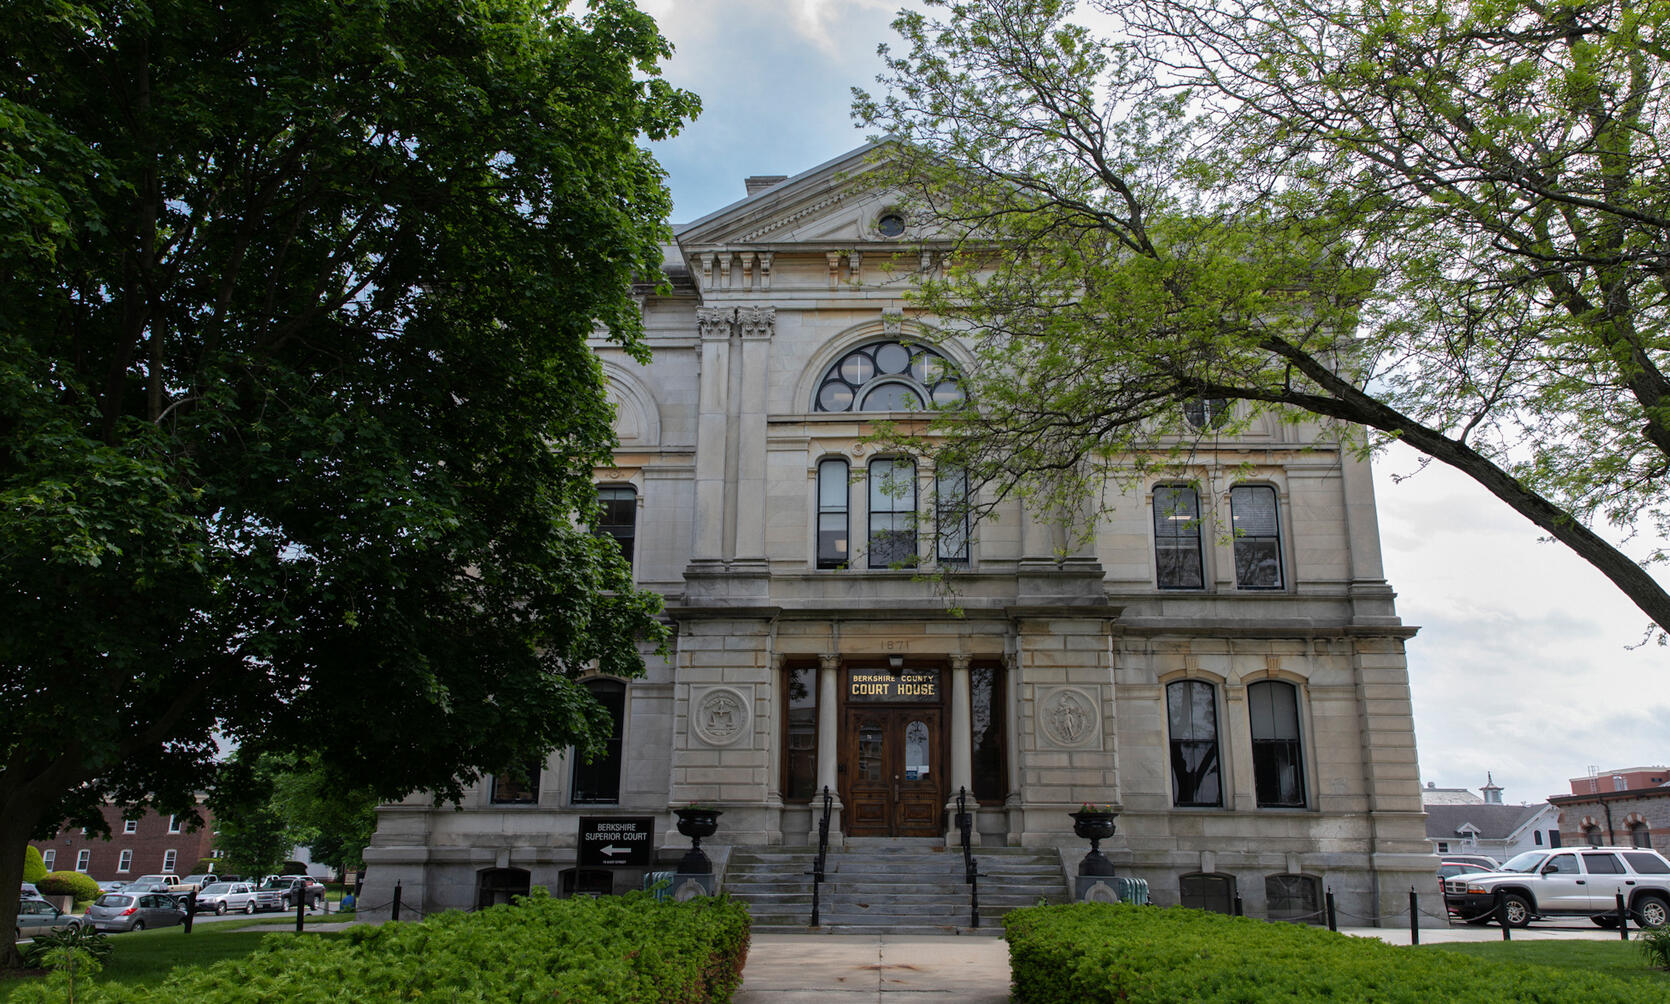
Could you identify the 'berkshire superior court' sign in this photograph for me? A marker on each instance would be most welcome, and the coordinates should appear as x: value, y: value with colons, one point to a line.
x: 880, y: 685
x: 607, y: 841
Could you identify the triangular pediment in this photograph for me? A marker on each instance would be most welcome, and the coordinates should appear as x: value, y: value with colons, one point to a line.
x: 828, y: 205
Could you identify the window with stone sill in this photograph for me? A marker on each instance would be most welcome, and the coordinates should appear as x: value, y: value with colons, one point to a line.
x: 519, y: 787
x: 619, y: 518
x: 1192, y: 719
x: 1278, y: 770
x: 82, y: 860
x: 892, y: 538
x: 1177, y: 555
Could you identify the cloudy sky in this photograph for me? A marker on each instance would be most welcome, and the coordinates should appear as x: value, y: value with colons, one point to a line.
x: 1522, y: 665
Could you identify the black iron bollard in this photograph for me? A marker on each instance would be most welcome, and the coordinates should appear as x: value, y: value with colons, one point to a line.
x: 191, y: 910
x: 1502, y: 916
x: 396, y: 914
x: 1414, y: 918
x: 1623, y: 918
x: 1239, y: 912
x: 301, y: 910
x: 1333, y: 919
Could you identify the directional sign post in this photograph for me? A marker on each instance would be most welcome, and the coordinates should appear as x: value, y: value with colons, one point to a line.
x: 616, y: 841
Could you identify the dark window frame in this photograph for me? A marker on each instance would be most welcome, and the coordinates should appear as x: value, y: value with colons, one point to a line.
x: 593, y: 783
x: 954, y: 512
x: 1251, y: 547
x: 1309, y: 908
x: 508, y: 790
x: 624, y: 533
x: 1176, y: 532
x: 1180, y: 696
x: 790, y: 791
x: 990, y: 766
x: 833, y: 557
x: 1271, y: 753
x: 1198, y: 898
x: 890, y: 546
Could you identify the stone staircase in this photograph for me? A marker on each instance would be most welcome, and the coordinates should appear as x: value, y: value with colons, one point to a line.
x: 874, y: 886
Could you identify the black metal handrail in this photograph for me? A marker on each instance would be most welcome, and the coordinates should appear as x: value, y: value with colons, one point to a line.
x: 971, y: 869
x: 823, y: 852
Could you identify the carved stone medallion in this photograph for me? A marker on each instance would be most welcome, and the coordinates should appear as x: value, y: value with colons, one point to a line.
x: 719, y: 717
x: 1068, y: 717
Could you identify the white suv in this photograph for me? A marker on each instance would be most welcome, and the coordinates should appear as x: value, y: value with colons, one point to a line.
x: 1576, y: 881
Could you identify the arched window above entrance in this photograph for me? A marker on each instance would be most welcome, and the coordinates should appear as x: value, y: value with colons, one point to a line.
x: 887, y: 376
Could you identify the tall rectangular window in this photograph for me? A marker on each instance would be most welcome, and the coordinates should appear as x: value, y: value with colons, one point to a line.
x: 83, y: 859
x: 1177, y: 538
x: 1278, y: 775
x: 173, y: 824
x: 832, y: 514
x: 598, y: 782
x: 951, y: 517
x: 800, y: 767
x: 125, y: 862
x: 168, y: 859
x: 892, y: 514
x: 991, y: 781
x: 619, y: 518
x: 49, y: 857
x: 1192, y: 716
x: 1252, y: 513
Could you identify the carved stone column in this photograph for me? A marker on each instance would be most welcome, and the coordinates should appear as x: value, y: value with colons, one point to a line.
x: 829, y: 671
x: 961, y: 727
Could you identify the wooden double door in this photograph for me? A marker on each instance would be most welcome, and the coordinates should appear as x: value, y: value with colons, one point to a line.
x: 893, y: 766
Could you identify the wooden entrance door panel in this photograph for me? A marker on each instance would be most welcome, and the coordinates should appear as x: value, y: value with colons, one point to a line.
x: 893, y: 772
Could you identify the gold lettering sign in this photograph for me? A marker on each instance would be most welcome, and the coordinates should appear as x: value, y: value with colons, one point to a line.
x: 880, y: 685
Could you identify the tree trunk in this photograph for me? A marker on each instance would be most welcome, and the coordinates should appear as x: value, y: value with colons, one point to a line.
x: 19, y: 815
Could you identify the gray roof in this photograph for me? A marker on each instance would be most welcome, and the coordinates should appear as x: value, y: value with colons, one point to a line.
x: 1494, y: 822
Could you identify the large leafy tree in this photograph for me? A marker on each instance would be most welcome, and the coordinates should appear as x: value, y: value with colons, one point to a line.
x: 1445, y: 223
x: 297, y: 413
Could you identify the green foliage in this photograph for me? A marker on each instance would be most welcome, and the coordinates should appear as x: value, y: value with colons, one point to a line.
x: 34, y: 866
x: 1100, y: 952
x: 298, y: 407
x: 68, y: 883
x: 47, y: 946
x: 625, y: 949
x: 1442, y: 223
x: 267, y: 803
x: 1655, y: 945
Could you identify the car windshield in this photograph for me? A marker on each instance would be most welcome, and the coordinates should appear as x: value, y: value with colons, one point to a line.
x: 148, y: 878
x: 217, y: 888
x: 276, y: 883
x: 1525, y: 863
x: 111, y: 899
x: 195, y: 878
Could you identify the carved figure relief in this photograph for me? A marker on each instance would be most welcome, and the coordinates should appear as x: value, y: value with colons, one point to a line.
x: 1069, y: 718
x: 720, y: 717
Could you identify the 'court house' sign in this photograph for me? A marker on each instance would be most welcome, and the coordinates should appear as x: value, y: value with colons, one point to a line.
x: 880, y: 685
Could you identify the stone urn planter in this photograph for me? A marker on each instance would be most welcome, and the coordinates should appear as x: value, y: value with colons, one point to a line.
x: 1094, y: 825
x: 696, y: 823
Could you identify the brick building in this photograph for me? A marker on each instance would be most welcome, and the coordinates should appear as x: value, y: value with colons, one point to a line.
x: 150, y: 844
x: 1629, y: 807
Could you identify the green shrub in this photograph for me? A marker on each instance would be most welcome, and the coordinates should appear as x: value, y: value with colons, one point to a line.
x: 34, y: 868
x: 612, y: 949
x: 1143, y: 955
x: 1655, y: 945
x: 69, y: 884
x: 94, y: 943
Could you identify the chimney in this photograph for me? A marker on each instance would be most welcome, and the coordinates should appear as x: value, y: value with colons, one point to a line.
x: 761, y: 182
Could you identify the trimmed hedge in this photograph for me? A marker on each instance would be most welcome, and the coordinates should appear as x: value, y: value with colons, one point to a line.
x: 1117, y: 952
x: 34, y: 866
x: 75, y: 884
x: 612, y: 949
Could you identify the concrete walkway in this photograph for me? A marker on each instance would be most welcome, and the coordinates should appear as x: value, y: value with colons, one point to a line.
x: 802, y: 968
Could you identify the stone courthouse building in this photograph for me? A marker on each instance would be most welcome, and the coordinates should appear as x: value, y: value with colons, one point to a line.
x: 1240, y: 696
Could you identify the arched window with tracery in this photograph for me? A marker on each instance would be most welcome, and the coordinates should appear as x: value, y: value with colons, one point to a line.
x: 888, y: 375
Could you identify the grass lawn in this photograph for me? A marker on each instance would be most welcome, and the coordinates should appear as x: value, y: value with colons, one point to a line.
x: 144, y: 958
x: 1621, y: 959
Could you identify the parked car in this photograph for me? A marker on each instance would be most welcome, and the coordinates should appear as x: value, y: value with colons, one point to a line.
x: 153, y: 883
x: 37, y: 916
x: 1448, y: 869
x: 1484, y: 861
x: 116, y: 886
x: 134, y: 911
x: 195, y: 883
x: 30, y: 892
x: 221, y: 897
x: 1580, y: 882
x: 293, y: 889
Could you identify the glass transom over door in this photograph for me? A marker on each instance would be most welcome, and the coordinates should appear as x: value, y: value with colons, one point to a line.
x: 894, y: 772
